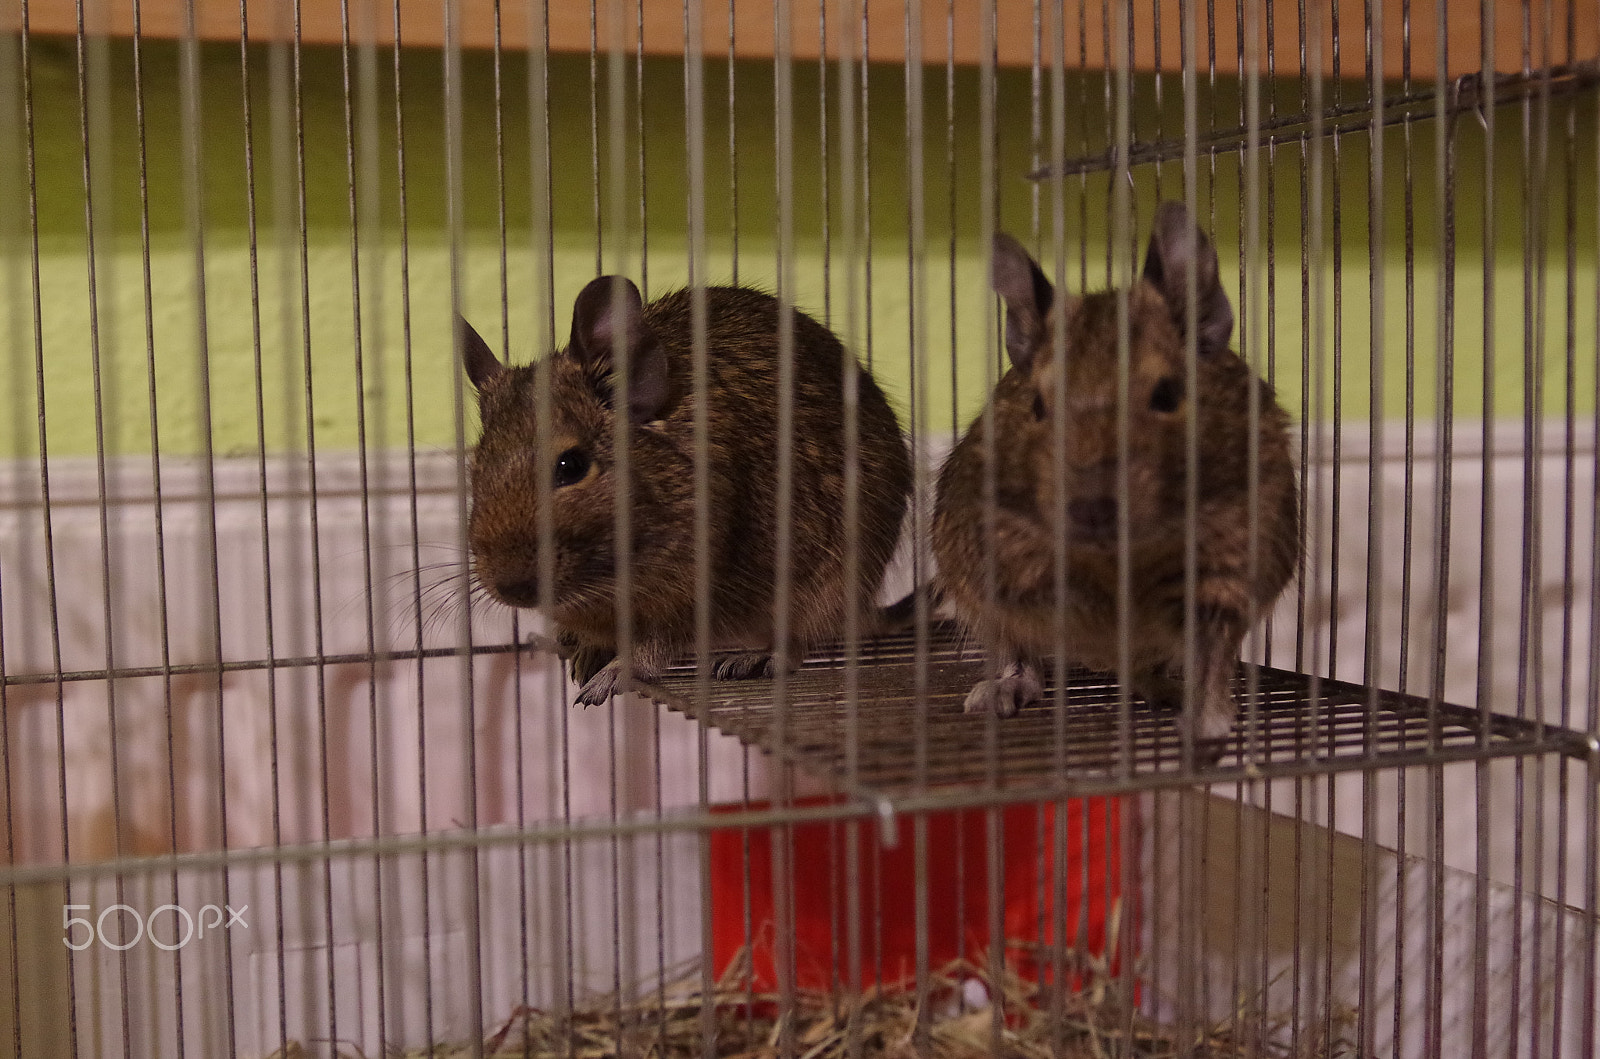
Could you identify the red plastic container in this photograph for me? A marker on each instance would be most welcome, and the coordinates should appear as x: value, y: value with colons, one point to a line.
x: 742, y: 896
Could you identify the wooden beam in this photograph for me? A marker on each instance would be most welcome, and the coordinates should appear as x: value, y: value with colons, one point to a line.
x: 421, y: 24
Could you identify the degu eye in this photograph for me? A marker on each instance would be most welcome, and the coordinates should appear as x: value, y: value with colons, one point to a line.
x: 571, y: 466
x: 1166, y: 395
x: 1038, y: 406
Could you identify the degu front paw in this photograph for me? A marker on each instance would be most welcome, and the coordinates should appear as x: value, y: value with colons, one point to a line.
x: 1017, y: 686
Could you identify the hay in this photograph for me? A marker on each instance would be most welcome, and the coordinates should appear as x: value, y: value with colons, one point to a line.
x: 668, y: 1023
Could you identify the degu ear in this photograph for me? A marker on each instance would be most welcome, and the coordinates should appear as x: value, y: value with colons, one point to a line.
x: 481, y: 364
x: 603, y: 330
x: 1028, y: 298
x: 1028, y: 295
x: 1177, y: 248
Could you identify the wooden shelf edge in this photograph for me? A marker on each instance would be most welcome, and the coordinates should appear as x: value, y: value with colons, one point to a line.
x: 1156, y: 42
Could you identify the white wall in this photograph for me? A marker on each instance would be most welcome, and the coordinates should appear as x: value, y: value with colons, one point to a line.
x: 1534, y: 689
x: 357, y: 751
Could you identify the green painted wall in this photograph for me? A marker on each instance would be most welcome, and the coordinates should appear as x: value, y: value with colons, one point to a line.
x: 289, y: 304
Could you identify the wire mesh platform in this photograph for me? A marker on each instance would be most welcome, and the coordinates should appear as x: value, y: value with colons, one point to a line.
x: 1298, y: 726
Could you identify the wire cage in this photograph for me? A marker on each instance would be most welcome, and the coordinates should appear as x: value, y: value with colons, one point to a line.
x: 284, y: 774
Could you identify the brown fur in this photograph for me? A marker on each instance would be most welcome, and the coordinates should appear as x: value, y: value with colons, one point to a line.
x: 1019, y: 622
x: 742, y: 364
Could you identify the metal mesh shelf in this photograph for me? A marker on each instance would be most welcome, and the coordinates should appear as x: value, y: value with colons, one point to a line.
x: 1299, y: 726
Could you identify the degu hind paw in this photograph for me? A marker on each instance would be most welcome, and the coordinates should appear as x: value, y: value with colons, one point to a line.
x: 743, y: 665
x: 1004, y: 696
